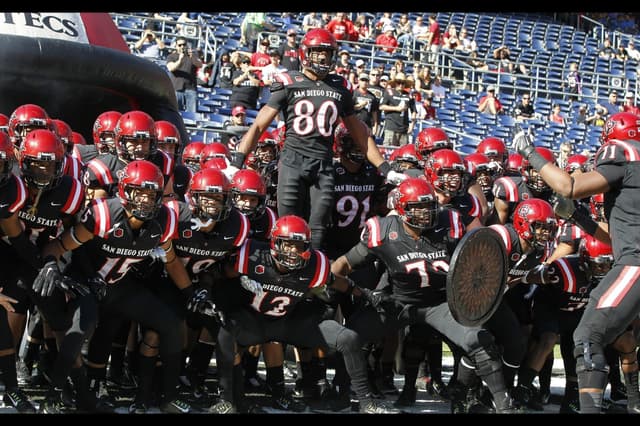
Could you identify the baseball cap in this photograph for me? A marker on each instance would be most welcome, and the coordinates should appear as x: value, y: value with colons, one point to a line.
x: 344, y: 51
x: 275, y: 52
x: 387, y: 28
x: 291, y: 31
x: 491, y: 88
x: 629, y: 95
x: 238, y: 110
x: 384, y: 78
x: 359, y: 63
x: 363, y: 76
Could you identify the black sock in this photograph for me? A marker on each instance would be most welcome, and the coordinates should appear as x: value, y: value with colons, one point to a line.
x: 275, y: 381
x: 320, y: 369
x: 387, y: 370
x: 434, y: 355
x: 238, y: 385
x: 526, y: 376
x: 8, y: 368
x: 633, y: 394
x: 31, y: 355
x: 545, y: 374
x: 250, y: 364
x: 199, y: 360
x: 117, y: 358
x: 146, y: 367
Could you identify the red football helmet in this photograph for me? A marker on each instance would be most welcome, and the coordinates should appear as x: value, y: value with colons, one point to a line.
x: 446, y: 162
x: 8, y: 157
x: 191, y: 155
x: 104, y: 135
x: 25, y: 118
x: 64, y: 132
x: 249, y: 182
x: 535, y: 222
x: 596, y: 206
x: 42, y: 158
x: 405, y: 157
x: 214, y: 163
x: 214, y: 150
x: 482, y: 169
x: 344, y: 145
x: 78, y: 139
x: 4, y: 123
x: 416, y: 203
x: 140, y: 189
x: 596, y: 256
x: 168, y: 137
x: 136, y: 129
x: 534, y: 179
x: 315, y: 41
x: 267, y: 149
x: 431, y: 139
x: 576, y: 161
x: 621, y: 126
x: 514, y: 165
x: 288, y: 232
x: 495, y: 149
x: 205, y: 184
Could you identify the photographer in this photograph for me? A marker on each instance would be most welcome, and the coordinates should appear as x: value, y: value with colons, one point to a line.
x: 149, y: 45
x: 184, y: 64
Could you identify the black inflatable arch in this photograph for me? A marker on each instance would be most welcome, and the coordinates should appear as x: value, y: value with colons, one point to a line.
x: 76, y: 82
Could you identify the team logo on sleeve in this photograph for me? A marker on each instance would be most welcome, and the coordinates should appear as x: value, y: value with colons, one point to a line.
x: 118, y: 232
x: 393, y: 235
x: 259, y: 269
x: 515, y: 256
x: 187, y: 233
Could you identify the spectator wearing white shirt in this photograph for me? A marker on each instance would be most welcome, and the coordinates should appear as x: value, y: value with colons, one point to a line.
x: 632, y: 52
x: 437, y: 89
x: 311, y: 20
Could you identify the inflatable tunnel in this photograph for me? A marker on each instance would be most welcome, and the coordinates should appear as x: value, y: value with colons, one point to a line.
x: 76, y: 66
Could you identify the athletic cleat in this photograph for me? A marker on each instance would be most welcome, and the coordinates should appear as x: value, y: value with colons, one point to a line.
x: 122, y: 378
x: 18, y: 400
x: 374, y: 406
x: 618, y: 392
x: 223, y: 407
x: 388, y: 387
x: 287, y: 403
x: 52, y: 403
x: 138, y: 408
x: 175, y: 406
x: 437, y: 388
x: 407, y: 397
x: 570, y: 406
x: 525, y: 396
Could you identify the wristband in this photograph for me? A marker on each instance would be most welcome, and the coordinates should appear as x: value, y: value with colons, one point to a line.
x: 384, y: 168
x: 584, y: 221
x: 536, y: 160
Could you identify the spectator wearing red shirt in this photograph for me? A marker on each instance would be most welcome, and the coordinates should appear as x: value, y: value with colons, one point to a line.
x: 489, y: 103
x: 434, y: 40
x: 556, y: 116
x: 261, y: 57
x: 429, y: 109
x: 629, y: 105
x: 342, y: 28
x: 387, y: 41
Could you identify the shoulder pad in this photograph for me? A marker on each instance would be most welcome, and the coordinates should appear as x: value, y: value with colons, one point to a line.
x: 617, y: 152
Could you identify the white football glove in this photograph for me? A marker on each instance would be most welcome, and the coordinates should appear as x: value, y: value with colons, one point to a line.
x: 253, y: 286
x: 395, y: 178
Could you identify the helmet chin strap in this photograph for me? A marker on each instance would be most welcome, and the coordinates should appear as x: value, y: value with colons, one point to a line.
x: 198, y: 224
x: 33, y: 210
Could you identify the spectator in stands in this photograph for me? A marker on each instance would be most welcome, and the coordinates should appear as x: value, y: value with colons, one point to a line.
x: 186, y: 30
x: 237, y: 121
x: 384, y: 81
x: 403, y: 28
x: 450, y: 38
x: 438, y: 91
x: 572, y: 82
x: 366, y: 104
x: 325, y: 18
x: 387, y: 41
x: 632, y: 52
x: 290, y: 51
x: 434, y: 40
x: 344, y: 66
x: 261, y: 57
x: 252, y: 25
x: 621, y: 53
x: 489, y: 103
x: 466, y: 44
x: 524, y: 109
x: 311, y: 20
x: 246, y: 85
x: 222, y: 70
x: 363, y: 28
x: 149, y: 45
x: 566, y: 149
x: 423, y: 79
x: 610, y: 106
x: 397, y: 67
x: 556, y: 115
x: 374, y: 83
x: 629, y: 104
x: 183, y: 64
x: 471, y: 78
x: 597, y: 118
x: 428, y: 108
x: 360, y: 68
x: 342, y: 28
x: 505, y: 63
x: 420, y: 33
x: 399, y: 111
x: 581, y: 115
x: 384, y: 21
x: 272, y: 69
x: 607, y: 51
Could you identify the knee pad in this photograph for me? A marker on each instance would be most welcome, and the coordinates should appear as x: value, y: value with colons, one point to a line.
x: 487, y: 360
x: 590, y: 357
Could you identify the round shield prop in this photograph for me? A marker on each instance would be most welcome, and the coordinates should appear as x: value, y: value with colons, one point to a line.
x: 477, y: 276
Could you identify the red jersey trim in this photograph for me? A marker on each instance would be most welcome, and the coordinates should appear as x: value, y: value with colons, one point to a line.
x: 619, y: 288
x: 322, y: 270
x: 374, y: 232
x: 21, y: 192
x: 504, y: 234
x: 242, y: 260
x: 102, y: 217
x: 244, y: 231
x: 76, y: 199
x: 569, y: 276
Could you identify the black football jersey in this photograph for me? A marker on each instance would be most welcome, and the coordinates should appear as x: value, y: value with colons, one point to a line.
x: 570, y: 233
x: 311, y: 110
x: 44, y: 221
x: 513, y: 190
x: 85, y: 153
x: 270, y: 175
x: 570, y: 283
x: 518, y: 264
x: 417, y: 268
x: 619, y: 162
x: 262, y: 225
x: 116, y: 247
x: 103, y: 172
x: 72, y: 167
x: 281, y: 291
x: 354, y: 199
x: 468, y: 205
x: 13, y: 195
x: 199, y: 250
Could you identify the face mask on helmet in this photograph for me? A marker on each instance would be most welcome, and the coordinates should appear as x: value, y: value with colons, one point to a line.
x: 143, y: 201
x: 265, y: 154
x: 535, y: 181
x: 214, y: 206
x: 484, y: 178
x: 136, y: 148
x: 543, y: 233
x: 320, y: 60
x: 292, y: 252
x: 350, y: 150
x: 421, y: 214
x: 449, y: 181
x: 600, y: 265
x: 168, y: 146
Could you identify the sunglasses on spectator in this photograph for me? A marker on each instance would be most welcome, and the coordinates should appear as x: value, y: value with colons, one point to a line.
x: 181, y: 45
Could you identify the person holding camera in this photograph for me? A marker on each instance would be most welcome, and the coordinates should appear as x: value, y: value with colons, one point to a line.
x: 149, y: 45
x: 183, y: 64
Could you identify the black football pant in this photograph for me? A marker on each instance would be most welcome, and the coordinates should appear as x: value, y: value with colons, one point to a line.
x: 304, y: 327
x: 305, y: 189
